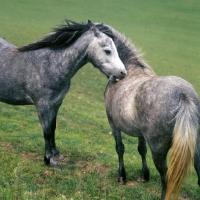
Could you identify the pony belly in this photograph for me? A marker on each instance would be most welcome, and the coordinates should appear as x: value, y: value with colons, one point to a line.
x: 134, y: 132
x: 128, y: 126
x: 16, y: 98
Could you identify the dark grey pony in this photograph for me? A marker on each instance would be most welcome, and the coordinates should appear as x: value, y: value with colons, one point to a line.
x: 40, y: 73
x: 163, y: 111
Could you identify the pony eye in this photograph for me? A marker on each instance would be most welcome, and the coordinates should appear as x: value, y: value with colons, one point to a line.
x: 108, y: 52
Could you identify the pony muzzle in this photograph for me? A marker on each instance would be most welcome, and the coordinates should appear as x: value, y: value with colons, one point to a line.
x: 121, y: 75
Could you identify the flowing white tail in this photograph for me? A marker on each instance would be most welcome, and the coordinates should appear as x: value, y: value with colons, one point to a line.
x: 183, y: 146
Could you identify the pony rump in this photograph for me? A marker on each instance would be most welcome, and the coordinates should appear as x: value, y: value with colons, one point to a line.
x: 183, y: 145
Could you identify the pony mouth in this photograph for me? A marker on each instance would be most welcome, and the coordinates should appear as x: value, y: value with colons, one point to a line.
x: 114, y: 79
x: 117, y: 79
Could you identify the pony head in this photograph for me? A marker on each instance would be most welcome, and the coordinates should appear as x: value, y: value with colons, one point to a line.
x: 102, y: 53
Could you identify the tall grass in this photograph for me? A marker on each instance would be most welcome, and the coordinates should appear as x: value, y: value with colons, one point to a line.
x: 167, y: 31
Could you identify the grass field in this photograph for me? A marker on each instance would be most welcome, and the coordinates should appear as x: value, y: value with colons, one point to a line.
x: 168, y: 33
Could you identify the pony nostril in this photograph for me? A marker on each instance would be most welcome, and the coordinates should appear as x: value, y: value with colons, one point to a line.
x: 123, y: 73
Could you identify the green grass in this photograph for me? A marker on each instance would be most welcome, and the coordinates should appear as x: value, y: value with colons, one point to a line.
x: 167, y: 31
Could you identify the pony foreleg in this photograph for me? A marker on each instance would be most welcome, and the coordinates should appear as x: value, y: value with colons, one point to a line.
x: 49, y: 158
x: 58, y: 156
x: 47, y: 117
x: 120, y: 151
x: 142, y: 149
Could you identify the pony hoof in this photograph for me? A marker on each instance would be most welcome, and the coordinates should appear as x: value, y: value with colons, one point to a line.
x: 143, y: 180
x: 122, y: 181
x: 59, y: 157
x: 53, y: 163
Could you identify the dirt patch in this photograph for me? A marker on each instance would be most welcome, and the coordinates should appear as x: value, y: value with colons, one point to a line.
x: 30, y: 156
x: 6, y: 145
x: 85, y: 167
x: 131, y: 183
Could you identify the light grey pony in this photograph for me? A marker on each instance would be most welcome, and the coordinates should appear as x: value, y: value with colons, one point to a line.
x: 40, y: 73
x: 163, y: 111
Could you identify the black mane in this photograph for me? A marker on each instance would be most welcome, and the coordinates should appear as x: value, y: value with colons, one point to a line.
x: 61, y: 36
x: 66, y: 34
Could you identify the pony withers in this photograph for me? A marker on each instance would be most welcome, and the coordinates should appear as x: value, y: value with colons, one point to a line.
x: 163, y: 111
x: 40, y: 73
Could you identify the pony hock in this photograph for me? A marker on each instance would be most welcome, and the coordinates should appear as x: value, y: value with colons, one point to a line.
x: 40, y: 73
x: 163, y: 111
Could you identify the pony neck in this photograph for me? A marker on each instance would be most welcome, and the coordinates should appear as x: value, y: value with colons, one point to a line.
x: 75, y: 56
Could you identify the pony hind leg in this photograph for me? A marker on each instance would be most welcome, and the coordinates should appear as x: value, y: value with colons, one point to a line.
x: 120, y: 151
x: 197, y: 166
x: 142, y: 149
x: 160, y: 162
x: 197, y: 159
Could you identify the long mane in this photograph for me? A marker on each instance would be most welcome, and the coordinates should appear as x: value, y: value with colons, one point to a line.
x: 61, y: 37
x: 128, y: 53
x: 66, y: 34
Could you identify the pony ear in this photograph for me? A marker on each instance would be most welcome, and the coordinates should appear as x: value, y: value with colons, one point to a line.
x: 89, y: 22
x: 96, y: 31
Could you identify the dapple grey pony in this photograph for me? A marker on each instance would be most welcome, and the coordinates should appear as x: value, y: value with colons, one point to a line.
x: 40, y: 73
x: 163, y: 111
